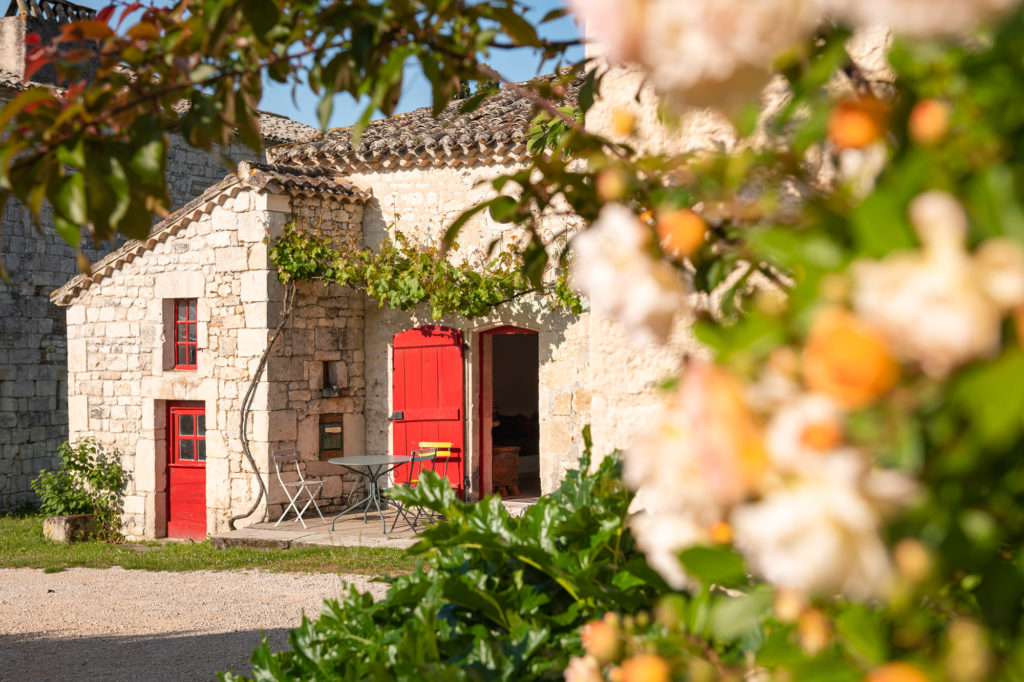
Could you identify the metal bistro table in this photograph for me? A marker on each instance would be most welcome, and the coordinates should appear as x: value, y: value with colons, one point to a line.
x: 372, y: 468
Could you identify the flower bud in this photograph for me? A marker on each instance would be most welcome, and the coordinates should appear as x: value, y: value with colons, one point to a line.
x: 681, y: 232
x: 856, y: 123
x: 645, y: 668
x: 813, y: 631
x: 897, y: 672
x: 789, y: 604
x: 611, y: 186
x: 847, y: 360
x: 601, y: 641
x: 929, y: 121
x: 912, y: 560
x: 968, y: 658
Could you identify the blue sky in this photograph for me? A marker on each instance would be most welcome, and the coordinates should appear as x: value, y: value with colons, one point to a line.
x: 516, y: 65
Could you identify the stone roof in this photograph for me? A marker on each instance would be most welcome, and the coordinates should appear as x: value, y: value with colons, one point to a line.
x: 274, y: 128
x: 493, y: 133
x: 277, y: 129
x: 265, y: 177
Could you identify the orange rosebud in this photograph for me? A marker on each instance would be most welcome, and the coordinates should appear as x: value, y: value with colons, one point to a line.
x: 847, y: 360
x: 821, y: 437
x: 856, y: 123
x: 681, y: 232
x: 600, y: 640
x: 720, y: 533
x: 645, y: 668
x: 897, y: 672
x: 929, y: 121
x: 913, y: 560
x: 611, y: 186
x: 623, y: 122
x: 813, y: 631
x: 647, y: 215
x: 789, y: 604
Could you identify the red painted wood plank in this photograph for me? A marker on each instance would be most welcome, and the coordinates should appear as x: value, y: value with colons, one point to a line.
x: 427, y: 389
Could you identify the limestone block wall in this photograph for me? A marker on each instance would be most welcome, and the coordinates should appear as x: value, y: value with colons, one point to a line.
x: 190, y: 171
x: 33, y: 344
x: 33, y: 351
x: 120, y: 373
x: 420, y: 203
x: 326, y: 326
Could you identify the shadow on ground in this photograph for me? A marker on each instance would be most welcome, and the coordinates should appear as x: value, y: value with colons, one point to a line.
x: 168, y: 656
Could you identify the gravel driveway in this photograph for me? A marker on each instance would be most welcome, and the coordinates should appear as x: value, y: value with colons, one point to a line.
x: 113, y: 624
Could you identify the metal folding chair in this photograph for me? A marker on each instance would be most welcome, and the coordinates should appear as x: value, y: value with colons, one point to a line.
x: 310, y: 486
x: 443, y: 454
x: 415, y: 469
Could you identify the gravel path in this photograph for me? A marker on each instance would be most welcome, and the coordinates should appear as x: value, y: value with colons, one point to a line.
x: 113, y: 624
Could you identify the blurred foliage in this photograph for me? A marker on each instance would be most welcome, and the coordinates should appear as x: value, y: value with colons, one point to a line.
x: 97, y: 151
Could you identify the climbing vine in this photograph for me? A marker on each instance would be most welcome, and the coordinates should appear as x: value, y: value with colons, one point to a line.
x: 401, y: 275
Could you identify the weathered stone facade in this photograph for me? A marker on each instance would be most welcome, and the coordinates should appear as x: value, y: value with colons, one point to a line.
x: 121, y: 376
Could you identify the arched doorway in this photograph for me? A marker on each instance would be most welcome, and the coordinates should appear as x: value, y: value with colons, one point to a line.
x: 509, y: 413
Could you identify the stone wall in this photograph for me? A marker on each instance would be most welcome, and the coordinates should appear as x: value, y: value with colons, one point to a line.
x: 326, y: 326
x: 121, y: 376
x: 33, y: 356
x: 420, y: 203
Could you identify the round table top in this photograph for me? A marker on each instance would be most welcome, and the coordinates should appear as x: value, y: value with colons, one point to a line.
x: 369, y: 460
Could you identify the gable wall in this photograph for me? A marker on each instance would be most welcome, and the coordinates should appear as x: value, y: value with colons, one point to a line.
x: 119, y: 372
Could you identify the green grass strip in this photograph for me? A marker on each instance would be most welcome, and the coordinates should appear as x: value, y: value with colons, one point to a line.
x: 22, y: 545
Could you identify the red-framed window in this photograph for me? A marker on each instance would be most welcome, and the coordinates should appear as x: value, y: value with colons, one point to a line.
x: 188, y: 434
x: 185, y: 333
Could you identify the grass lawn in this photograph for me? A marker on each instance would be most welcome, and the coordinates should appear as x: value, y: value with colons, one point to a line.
x: 22, y: 545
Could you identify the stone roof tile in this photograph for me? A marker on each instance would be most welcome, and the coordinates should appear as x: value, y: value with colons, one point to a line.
x: 494, y: 132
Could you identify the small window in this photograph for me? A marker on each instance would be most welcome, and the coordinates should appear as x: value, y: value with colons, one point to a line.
x: 188, y: 434
x: 185, y: 333
x: 331, y: 436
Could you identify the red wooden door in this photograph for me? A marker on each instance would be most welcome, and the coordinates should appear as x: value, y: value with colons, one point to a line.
x: 186, y: 471
x: 427, y: 396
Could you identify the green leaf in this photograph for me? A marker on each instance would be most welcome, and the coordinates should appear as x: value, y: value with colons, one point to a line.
x: 713, y: 565
x: 863, y: 633
x: 262, y: 14
x: 735, y: 617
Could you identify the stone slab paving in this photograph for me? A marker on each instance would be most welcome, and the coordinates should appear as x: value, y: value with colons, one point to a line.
x: 349, y: 531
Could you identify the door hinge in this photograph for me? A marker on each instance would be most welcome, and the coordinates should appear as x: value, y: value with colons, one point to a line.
x: 397, y: 415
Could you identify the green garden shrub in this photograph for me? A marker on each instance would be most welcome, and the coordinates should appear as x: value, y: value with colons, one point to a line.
x: 493, y: 597
x: 89, y: 481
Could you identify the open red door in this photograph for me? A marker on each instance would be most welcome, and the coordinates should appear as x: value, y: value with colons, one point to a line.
x: 427, y: 396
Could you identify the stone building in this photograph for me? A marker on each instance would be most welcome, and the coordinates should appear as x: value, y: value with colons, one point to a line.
x: 346, y: 377
x: 33, y: 373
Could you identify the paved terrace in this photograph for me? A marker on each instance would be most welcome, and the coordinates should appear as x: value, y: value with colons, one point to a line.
x: 349, y: 531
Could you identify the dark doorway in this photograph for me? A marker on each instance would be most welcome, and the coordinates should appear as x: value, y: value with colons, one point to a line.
x: 511, y: 438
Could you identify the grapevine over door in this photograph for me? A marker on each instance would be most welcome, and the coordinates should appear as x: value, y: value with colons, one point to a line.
x: 427, y: 396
